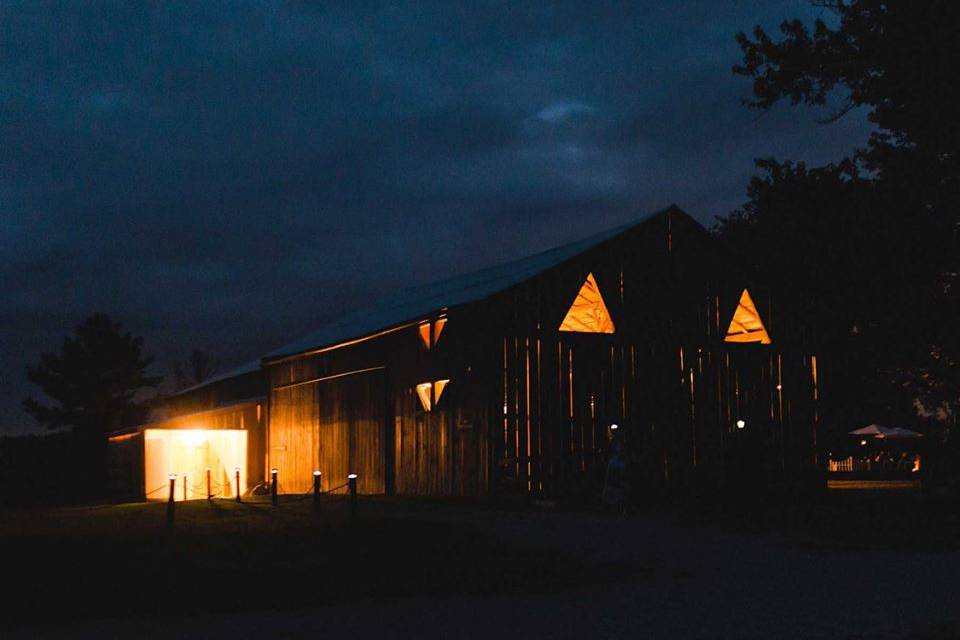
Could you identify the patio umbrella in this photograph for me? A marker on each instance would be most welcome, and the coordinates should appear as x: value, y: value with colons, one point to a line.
x: 878, y: 431
x: 904, y: 433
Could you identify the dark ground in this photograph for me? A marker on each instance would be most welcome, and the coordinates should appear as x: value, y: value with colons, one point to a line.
x: 860, y: 565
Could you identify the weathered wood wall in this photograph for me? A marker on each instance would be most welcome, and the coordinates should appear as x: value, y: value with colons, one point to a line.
x: 665, y: 377
x: 244, y: 387
x: 355, y: 410
x: 528, y: 408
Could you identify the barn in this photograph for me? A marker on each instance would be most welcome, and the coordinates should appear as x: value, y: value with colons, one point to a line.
x: 514, y: 380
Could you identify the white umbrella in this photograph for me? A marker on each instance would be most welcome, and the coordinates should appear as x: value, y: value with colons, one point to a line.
x: 904, y: 433
x: 878, y: 431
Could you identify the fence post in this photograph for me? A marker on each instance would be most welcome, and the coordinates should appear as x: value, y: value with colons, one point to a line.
x: 237, y: 473
x: 352, y: 484
x: 273, y: 486
x: 173, y: 488
x: 316, y: 489
x: 209, y: 486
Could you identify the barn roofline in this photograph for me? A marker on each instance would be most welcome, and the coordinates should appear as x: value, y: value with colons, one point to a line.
x: 398, y: 312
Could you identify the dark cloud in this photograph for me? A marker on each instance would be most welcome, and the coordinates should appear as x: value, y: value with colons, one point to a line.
x: 226, y: 176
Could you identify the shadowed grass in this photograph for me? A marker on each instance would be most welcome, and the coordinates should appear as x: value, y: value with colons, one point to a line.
x: 123, y: 560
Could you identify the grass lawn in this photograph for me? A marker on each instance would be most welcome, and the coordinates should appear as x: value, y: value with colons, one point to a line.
x: 852, y: 564
x: 123, y: 560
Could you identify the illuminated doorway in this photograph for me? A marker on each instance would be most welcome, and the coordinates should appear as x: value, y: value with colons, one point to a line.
x: 188, y: 453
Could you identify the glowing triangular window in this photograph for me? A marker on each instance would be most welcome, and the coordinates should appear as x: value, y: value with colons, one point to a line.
x: 588, y: 313
x: 438, y: 326
x: 435, y: 328
x: 430, y: 392
x: 425, y: 334
x: 746, y: 325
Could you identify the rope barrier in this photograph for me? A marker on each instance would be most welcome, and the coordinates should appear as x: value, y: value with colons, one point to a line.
x: 216, y: 488
x: 305, y: 495
x: 150, y: 493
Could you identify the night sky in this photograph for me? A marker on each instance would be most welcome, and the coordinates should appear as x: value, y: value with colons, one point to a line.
x: 228, y: 176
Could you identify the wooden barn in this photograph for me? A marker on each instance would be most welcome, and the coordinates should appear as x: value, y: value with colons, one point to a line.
x: 515, y: 379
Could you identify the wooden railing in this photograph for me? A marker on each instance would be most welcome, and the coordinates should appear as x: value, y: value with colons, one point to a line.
x: 852, y: 464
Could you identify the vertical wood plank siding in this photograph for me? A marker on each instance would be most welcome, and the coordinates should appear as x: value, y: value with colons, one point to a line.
x: 528, y: 409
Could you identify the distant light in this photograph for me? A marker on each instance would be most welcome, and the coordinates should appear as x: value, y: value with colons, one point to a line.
x: 614, y: 427
x: 779, y: 387
x: 863, y: 443
x: 273, y: 471
x: 172, y: 476
x: 352, y: 476
x: 741, y: 424
x: 316, y: 473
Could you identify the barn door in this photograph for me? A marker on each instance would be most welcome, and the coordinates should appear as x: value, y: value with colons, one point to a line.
x: 352, y: 431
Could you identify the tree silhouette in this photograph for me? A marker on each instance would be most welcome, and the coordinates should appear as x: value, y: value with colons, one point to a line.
x: 92, y: 382
x: 200, y: 366
x: 866, y: 250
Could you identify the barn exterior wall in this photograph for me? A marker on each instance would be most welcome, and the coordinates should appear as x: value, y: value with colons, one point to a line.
x: 528, y: 409
x: 355, y: 410
x: 666, y: 378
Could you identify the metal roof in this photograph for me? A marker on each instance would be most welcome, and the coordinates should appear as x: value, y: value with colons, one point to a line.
x: 414, y: 303
x: 418, y: 302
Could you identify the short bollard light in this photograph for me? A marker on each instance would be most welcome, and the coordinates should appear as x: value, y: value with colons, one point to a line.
x: 209, y: 485
x: 352, y: 485
x: 316, y: 489
x: 741, y: 424
x: 173, y: 487
x: 273, y: 486
x: 237, y: 475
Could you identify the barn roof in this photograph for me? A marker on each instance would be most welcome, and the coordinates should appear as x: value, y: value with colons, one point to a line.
x: 241, y: 370
x: 413, y: 303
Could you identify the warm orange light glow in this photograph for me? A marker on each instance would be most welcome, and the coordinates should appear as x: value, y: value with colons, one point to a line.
x: 424, y: 330
x: 438, y: 388
x: 430, y: 392
x: 195, y: 437
x: 438, y: 329
x: 122, y: 437
x: 588, y: 313
x: 423, y: 390
x: 189, y: 453
x: 746, y: 326
x: 432, y: 330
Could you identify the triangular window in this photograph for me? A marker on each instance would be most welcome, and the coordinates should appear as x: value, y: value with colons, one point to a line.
x: 746, y: 325
x: 434, y: 329
x: 588, y: 313
x: 429, y: 393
